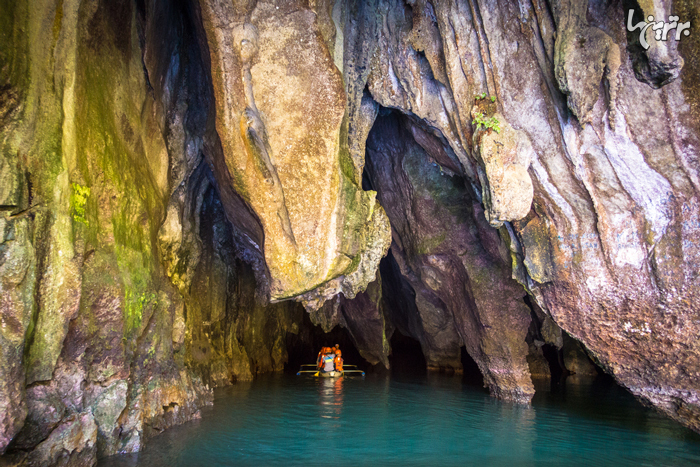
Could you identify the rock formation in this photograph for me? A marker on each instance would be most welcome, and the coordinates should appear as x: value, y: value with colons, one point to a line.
x: 280, y: 113
x: 456, y: 264
x: 181, y: 181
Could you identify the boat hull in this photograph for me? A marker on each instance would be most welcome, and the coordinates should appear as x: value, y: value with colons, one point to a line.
x: 330, y: 374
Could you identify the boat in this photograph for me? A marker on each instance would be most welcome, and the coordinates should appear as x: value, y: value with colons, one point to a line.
x: 313, y: 370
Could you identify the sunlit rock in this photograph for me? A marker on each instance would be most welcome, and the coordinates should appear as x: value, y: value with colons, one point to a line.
x: 505, y: 157
x: 280, y: 106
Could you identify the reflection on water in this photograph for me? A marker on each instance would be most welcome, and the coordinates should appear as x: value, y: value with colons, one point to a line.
x: 331, y: 397
x: 432, y: 420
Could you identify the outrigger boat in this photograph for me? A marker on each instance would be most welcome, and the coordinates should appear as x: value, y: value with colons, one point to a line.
x: 351, y: 370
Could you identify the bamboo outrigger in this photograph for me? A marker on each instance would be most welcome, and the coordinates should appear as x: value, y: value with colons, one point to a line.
x: 351, y: 370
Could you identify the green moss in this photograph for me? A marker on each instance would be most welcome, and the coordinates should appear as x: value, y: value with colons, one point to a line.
x: 139, y: 289
x: 354, y: 264
x: 347, y: 166
x: 490, y: 123
x: 111, y: 158
x: 27, y: 42
x: 429, y: 244
x: 134, y: 304
x: 357, y: 209
x: 358, y: 204
x: 78, y: 202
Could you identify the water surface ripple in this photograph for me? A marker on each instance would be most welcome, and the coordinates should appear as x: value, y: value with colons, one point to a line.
x: 437, y: 420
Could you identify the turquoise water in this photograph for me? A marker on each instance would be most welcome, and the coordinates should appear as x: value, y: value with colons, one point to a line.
x: 436, y: 420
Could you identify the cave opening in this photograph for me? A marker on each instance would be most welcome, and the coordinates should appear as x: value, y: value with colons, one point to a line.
x: 554, y: 356
x: 557, y: 368
x: 304, y: 345
x: 422, y: 187
x: 405, y: 324
x: 420, y: 184
x: 233, y: 332
x: 406, y: 357
x: 472, y: 375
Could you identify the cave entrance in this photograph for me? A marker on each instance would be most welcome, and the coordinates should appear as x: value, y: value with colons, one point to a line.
x: 303, y: 347
x: 472, y: 374
x: 406, y: 356
x: 555, y: 360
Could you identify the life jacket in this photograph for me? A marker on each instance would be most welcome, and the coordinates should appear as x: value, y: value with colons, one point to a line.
x: 338, y: 361
x: 328, y: 364
x: 321, y: 354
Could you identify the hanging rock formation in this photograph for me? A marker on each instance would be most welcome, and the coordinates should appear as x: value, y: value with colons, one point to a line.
x: 280, y: 113
x: 181, y: 181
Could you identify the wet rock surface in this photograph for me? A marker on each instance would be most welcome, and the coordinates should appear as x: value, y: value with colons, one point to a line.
x: 180, y: 182
x: 457, y: 266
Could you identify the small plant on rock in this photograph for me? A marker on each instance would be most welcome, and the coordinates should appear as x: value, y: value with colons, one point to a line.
x: 490, y: 123
x: 483, y: 95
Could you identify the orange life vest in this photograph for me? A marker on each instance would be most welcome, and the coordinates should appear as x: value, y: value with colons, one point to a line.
x: 338, y: 363
x: 319, y: 360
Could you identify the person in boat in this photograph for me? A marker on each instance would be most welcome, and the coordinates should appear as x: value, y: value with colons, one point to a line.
x: 328, y: 363
x: 321, y: 353
x: 338, y: 360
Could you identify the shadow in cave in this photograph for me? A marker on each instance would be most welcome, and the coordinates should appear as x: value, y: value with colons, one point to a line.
x: 303, y: 347
x: 553, y: 357
x: 556, y: 364
x: 599, y: 398
x: 407, y: 359
x: 472, y: 374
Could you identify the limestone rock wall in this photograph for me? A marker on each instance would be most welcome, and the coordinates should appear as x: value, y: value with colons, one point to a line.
x: 229, y: 335
x: 456, y: 264
x: 608, y: 135
x: 123, y: 296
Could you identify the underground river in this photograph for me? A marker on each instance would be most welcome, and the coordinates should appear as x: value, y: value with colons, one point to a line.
x: 409, y: 419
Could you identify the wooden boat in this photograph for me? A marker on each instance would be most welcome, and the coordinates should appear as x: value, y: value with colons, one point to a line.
x: 313, y: 370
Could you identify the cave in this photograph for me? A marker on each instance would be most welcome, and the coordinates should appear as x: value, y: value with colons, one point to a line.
x: 470, y: 369
x: 407, y: 356
x: 303, y: 347
x: 492, y: 207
